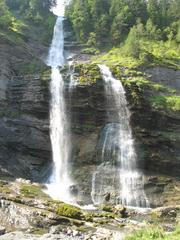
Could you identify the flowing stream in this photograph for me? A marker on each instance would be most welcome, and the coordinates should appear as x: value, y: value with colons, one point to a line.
x: 59, y: 182
x: 117, y: 149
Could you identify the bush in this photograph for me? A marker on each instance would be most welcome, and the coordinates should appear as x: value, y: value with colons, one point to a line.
x: 92, y: 51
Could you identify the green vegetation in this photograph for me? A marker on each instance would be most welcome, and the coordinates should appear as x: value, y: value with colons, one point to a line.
x: 32, y: 191
x: 150, y: 53
x: 99, y: 22
x: 137, y: 32
x: 136, y: 82
x: 90, y: 50
x: 106, y: 208
x: 87, y: 74
x: 36, y: 11
x: 67, y: 210
x: 19, y: 16
x: 166, y: 102
x: 154, y: 233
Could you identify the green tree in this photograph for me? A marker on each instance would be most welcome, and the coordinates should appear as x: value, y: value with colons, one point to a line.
x: 132, y: 44
x: 5, y: 15
x: 79, y: 14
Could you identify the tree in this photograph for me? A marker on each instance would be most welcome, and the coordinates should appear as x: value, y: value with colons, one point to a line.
x: 79, y: 14
x: 5, y: 15
x: 132, y: 44
x: 121, y: 24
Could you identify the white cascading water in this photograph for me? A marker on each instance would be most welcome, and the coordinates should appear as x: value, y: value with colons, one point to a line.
x: 130, y: 179
x: 72, y: 83
x: 59, y: 183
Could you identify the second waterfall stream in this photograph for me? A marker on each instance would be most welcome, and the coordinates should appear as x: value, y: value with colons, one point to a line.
x: 118, y: 151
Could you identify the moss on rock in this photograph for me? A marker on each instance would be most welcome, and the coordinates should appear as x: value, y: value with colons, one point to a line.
x: 32, y: 191
x: 87, y: 73
x: 67, y: 210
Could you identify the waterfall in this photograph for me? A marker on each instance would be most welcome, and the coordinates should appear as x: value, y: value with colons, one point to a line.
x: 72, y: 83
x: 59, y: 182
x: 118, y: 148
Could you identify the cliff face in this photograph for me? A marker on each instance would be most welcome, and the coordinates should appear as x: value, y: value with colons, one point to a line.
x: 25, y: 144
x: 24, y: 124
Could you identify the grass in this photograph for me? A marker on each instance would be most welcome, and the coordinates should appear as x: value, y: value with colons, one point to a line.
x: 32, y: 191
x: 116, y: 57
x: 151, y: 53
x: 154, y: 233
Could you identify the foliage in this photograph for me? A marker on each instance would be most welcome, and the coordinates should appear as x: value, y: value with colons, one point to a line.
x: 87, y: 74
x: 107, y: 208
x: 32, y: 191
x: 154, y: 233
x: 67, y: 210
x: 148, y: 234
x: 146, y: 53
x: 166, y: 102
x: 19, y: 15
x: 111, y: 21
x: 92, y: 51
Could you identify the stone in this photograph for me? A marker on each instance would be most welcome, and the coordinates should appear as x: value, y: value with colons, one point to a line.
x: 119, y: 209
x: 21, y: 180
x: 74, y: 190
x: 2, y: 230
x: 75, y: 233
x: 69, y: 232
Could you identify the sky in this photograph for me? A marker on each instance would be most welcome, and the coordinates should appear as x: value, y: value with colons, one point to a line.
x: 60, y: 7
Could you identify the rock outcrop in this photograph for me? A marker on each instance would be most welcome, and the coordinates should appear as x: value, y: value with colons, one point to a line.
x: 25, y: 144
x: 24, y: 123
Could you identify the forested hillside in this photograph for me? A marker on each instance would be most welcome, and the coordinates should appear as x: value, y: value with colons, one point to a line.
x: 145, y: 30
x: 17, y: 15
x: 102, y: 21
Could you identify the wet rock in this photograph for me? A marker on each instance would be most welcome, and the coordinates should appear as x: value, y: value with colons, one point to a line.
x: 119, y: 209
x: 75, y: 233
x: 21, y: 180
x: 166, y: 76
x: 107, y: 197
x: 74, y: 190
x: 2, y: 230
x: 166, y: 212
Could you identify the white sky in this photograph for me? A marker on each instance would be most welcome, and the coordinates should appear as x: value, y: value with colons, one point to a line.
x: 60, y: 8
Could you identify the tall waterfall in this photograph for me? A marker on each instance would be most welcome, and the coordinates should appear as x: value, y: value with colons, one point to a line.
x: 59, y: 182
x: 118, y: 146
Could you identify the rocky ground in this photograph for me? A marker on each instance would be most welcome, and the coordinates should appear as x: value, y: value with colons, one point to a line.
x: 28, y: 213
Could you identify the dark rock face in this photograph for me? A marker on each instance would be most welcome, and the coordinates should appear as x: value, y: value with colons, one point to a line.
x: 165, y: 76
x: 24, y: 139
x: 25, y: 143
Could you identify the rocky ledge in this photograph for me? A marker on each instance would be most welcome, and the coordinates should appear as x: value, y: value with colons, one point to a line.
x: 28, y: 213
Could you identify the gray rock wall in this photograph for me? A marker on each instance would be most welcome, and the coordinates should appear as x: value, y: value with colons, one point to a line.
x: 25, y: 143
